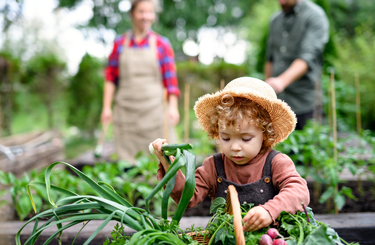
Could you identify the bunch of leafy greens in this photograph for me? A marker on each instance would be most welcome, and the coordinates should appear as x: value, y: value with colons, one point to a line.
x: 297, y: 229
x: 220, y: 227
x: 300, y: 229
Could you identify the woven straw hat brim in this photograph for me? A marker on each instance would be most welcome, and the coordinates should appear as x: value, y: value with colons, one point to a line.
x: 283, y: 118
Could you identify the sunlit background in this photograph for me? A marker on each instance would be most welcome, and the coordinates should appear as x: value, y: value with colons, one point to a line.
x: 214, y: 41
x: 42, y: 22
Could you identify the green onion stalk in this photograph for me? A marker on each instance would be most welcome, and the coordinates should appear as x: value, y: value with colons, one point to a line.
x: 75, y: 209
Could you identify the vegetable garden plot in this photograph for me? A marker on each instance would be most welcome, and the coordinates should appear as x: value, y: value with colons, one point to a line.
x: 78, y: 210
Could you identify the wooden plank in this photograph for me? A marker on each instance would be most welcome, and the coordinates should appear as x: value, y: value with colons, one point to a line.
x: 363, y: 231
x: 29, y: 159
x: 18, y: 139
x: 36, y: 150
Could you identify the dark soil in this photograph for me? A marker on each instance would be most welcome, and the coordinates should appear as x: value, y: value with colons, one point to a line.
x: 365, y: 199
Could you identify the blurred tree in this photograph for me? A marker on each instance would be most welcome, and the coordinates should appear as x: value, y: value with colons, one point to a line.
x: 9, y: 76
x: 10, y: 11
x: 179, y: 20
x: 43, y: 77
x: 85, y: 93
x: 348, y: 15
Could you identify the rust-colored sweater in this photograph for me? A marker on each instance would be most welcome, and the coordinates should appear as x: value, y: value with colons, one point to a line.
x: 292, y: 187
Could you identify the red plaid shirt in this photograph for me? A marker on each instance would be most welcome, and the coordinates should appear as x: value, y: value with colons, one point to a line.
x: 165, y: 57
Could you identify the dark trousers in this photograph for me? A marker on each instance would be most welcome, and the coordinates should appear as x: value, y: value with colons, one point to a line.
x: 302, y: 119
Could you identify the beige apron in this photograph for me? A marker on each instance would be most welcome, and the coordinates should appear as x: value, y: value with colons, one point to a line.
x: 138, y: 114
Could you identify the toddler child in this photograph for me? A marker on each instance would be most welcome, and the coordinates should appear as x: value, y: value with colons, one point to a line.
x: 248, y: 120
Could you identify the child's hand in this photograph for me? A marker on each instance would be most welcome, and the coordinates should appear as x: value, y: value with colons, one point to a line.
x: 157, y: 144
x: 256, y: 219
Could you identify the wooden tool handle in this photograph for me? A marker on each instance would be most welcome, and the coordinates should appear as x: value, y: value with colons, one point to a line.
x: 104, y: 132
x: 233, y: 207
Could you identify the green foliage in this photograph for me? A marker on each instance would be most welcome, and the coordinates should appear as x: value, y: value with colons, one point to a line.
x: 10, y: 13
x: 349, y: 15
x: 356, y: 56
x: 107, y: 205
x: 10, y: 71
x: 117, y: 235
x: 75, y: 145
x: 345, y: 103
x: 256, y: 26
x: 330, y: 50
x: 294, y: 228
x: 85, y: 92
x: 312, y: 150
x: 17, y: 190
x: 134, y: 184
x: 43, y: 77
x: 205, y: 79
x: 177, y: 21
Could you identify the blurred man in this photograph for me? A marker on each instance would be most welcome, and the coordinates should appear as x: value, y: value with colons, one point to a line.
x: 294, y: 59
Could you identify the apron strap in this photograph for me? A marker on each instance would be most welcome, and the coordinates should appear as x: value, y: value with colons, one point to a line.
x: 152, y: 41
x: 268, y: 164
x: 219, y: 165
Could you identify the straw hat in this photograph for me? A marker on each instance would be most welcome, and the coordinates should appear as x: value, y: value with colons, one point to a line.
x: 283, y: 118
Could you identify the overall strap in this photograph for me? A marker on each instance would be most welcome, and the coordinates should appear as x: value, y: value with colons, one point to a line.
x: 219, y: 165
x: 268, y: 164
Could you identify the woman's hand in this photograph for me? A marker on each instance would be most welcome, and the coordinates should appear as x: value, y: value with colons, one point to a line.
x: 173, y: 116
x: 256, y: 218
x: 106, y: 116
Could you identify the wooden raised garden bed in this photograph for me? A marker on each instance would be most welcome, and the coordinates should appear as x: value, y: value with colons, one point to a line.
x: 22, y: 152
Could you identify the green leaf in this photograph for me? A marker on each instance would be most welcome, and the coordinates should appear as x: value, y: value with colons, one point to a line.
x: 2, y: 192
x: 333, y: 176
x: 339, y: 201
x: 189, y: 187
x: 23, y: 207
x: 167, y: 192
x: 347, y: 191
x: 319, y: 236
x: 327, y: 194
x: 3, y: 203
x: 178, y: 162
x: 352, y: 168
x: 12, y: 178
x: 220, y: 236
x: 99, y: 189
x: 291, y: 242
x: 218, y: 202
x: 4, y: 179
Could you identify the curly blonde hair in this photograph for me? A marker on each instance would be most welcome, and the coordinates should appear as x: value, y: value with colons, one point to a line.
x: 232, y: 110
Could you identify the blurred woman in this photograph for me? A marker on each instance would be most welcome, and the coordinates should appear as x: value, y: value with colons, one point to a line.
x: 140, y: 68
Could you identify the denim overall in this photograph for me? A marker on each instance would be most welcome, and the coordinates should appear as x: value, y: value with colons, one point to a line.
x: 258, y: 192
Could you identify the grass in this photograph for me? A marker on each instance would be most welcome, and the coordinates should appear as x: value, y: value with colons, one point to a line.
x: 31, y: 115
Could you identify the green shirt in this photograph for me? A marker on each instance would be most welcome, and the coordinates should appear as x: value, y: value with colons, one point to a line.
x: 301, y: 34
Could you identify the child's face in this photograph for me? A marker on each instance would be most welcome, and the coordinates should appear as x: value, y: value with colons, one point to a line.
x: 243, y: 145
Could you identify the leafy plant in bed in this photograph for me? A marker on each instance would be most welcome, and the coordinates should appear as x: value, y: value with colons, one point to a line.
x: 108, y: 205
